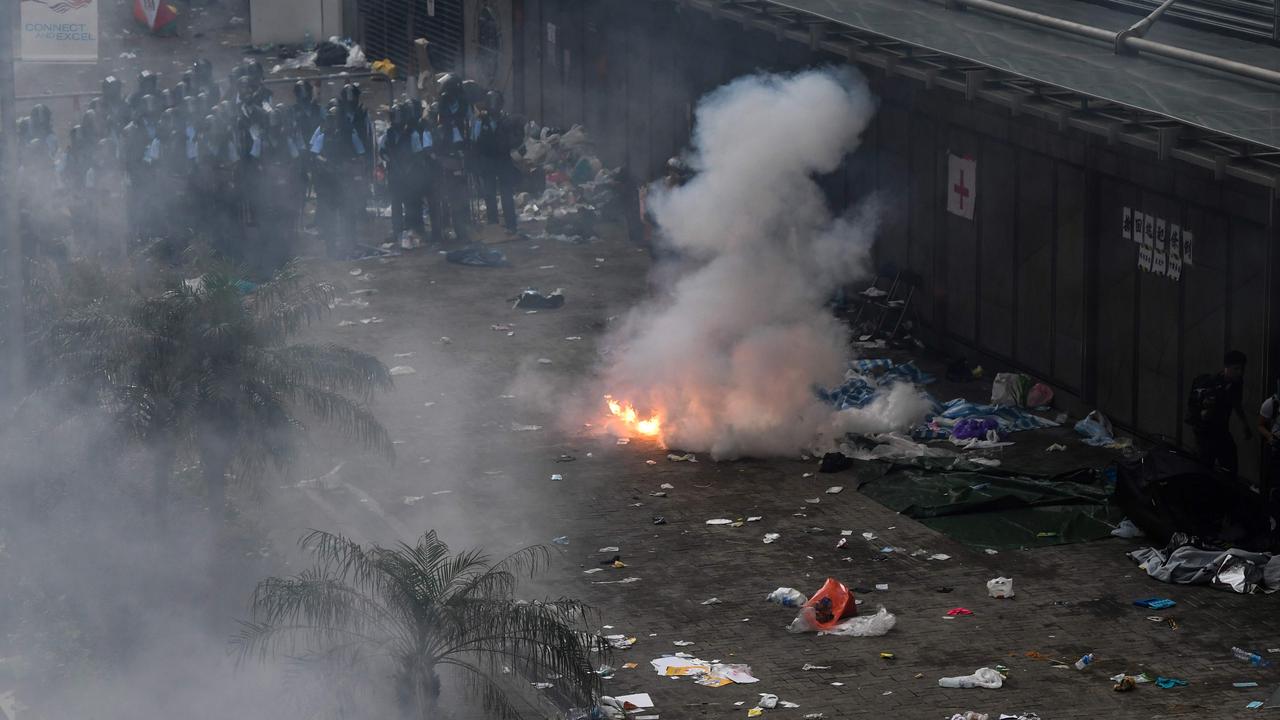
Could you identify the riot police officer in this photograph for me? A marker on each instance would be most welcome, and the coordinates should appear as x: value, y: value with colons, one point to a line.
x: 495, y: 138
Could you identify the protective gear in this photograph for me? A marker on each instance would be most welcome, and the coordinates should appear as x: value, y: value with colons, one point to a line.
x: 473, y: 92
x: 350, y: 94
x: 148, y: 82
x: 112, y: 90
x: 89, y: 123
x: 243, y: 89
x: 166, y: 98
x: 449, y: 84
x: 303, y: 92
x: 202, y: 69
x: 150, y: 105
x: 493, y: 101
x: 41, y: 120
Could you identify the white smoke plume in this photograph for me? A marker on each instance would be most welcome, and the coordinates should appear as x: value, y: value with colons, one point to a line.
x: 731, y: 352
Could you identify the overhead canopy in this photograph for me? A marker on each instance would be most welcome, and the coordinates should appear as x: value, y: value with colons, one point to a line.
x: 1239, y: 107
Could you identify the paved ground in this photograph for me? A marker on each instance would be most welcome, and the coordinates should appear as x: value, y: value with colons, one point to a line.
x: 454, y: 419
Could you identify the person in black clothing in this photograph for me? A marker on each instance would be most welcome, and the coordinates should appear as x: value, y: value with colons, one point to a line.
x: 1212, y: 400
x: 494, y: 139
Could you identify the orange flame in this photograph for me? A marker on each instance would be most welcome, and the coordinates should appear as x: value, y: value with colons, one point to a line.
x: 626, y: 412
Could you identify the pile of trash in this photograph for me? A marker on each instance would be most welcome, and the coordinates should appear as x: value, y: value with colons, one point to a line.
x: 334, y: 52
x: 579, y: 188
x: 833, y: 610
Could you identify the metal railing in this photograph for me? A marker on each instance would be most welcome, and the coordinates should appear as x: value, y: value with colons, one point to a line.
x: 1252, y: 19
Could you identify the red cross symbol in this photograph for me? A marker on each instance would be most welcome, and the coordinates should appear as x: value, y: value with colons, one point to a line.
x: 961, y: 190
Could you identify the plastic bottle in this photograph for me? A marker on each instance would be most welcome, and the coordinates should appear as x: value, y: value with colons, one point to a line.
x: 1254, y: 658
x: 1084, y: 661
x: 787, y: 597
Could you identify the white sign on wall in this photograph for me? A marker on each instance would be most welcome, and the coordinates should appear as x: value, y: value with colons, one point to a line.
x: 1164, y: 248
x: 962, y: 185
x: 59, y: 30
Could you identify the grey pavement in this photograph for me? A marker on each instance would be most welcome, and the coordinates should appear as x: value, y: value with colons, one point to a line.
x: 494, y: 489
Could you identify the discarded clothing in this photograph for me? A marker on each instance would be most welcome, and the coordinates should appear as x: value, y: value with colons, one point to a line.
x: 477, y: 257
x: 1008, y: 419
x: 974, y: 427
x: 907, y: 372
x: 534, y: 300
x: 862, y: 384
x: 1236, y: 570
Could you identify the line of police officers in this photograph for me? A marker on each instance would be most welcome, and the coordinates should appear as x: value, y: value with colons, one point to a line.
x: 238, y: 168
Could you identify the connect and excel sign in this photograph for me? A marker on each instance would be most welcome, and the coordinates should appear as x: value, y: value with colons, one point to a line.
x: 59, y: 30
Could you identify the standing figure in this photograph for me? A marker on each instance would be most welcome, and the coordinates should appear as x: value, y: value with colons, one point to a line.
x: 1213, y: 399
x: 495, y: 138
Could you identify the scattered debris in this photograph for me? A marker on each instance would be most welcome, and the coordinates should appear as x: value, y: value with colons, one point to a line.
x: 562, y: 540
x: 770, y: 538
x: 1155, y: 603
x: 534, y: 300
x: 1056, y: 447
x: 687, y: 457
x: 557, y: 477
x: 787, y: 597
x: 981, y: 678
x: 1000, y: 588
x: 476, y: 257
x: 720, y: 521
x: 835, y: 489
x: 411, y: 499
x: 402, y: 370
x: 517, y: 427
x: 711, y: 601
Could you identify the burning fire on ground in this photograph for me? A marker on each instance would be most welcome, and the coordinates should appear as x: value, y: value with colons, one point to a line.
x: 631, y: 419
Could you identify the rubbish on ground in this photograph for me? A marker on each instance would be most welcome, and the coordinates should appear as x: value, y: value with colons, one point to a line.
x: 806, y: 475
x: 542, y: 685
x: 807, y: 667
x: 1127, y: 529
x: 755, y: 518
x: 1056, y: 447
x: 566, y: 458
x: 357, y: 271
x: 501, y: 328
x: 681, y: 643
x: 1253, y: 705
x: 476, y: 257
x: 624, y: 581
x: 402, y: 370
x: 562, y: 540
x: 1252, y: 658
x: 609, y: 549
x: 720, y: 521
x: 619, y: 642
x: 658, y: 493
x: 813, y: 501
x: 711, y: 601
x: 882, y: 586
x: 592, y: 571
x: 970, y: 715
x: 770, y: 538
x: 755, y: 712
x: 650, y: 462
x: 939, y: 556
x: 1244, y: 684
x: 618, y: 564
x: 629, y: 666
x: 868, y: 536
x: 835, y: 489
x: 638, y: 700
x: 1155, y: 603
x: 956, y: 612
x: 517, y: 427
x: 834, y: 462
x: 1085, y: 661
x: 1096, y: 429
x: 1000, y: 588
x: 864, y: 626
x: 548, y: 361
x: 991, y: 551
x: 886, y: 656
x: 557, y: 477
x: 1138, y: 679
x: 768, y: 701
x: 837, y: 684
x: 1167, y: 683
x: 713, y: 674
x: 981, y: 678
x: 534, y: 300
x: 842, y: 542
x: 787, y: 597
x: 667, y: 486
x: 659, y: 520
x: 1233, y: 569
x: 687, y: 457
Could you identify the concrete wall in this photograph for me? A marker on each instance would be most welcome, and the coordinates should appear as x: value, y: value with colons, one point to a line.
x: 1039, y: 280
x: 288, y: 21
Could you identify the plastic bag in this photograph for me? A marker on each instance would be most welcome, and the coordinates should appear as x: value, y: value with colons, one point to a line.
x: 1010, y: 389
x: 1096, y: 429
x: 982, y: 677
x: 1000, y: 588
x: 787, y: 597
x: 863, y: 626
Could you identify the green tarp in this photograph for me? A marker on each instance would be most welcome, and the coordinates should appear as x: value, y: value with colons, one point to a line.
x: 994, y: 509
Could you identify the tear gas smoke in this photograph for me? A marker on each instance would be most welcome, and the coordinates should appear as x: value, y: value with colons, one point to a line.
x: 729, y: 355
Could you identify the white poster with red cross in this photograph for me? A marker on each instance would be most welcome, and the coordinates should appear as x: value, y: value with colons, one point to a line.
x: 962, y: 185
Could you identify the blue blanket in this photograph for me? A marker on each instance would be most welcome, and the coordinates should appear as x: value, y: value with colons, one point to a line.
x: 861, y: 389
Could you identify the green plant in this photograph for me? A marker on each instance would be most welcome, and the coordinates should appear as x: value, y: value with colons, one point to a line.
x: 405, y: 613
x: 207, y: 368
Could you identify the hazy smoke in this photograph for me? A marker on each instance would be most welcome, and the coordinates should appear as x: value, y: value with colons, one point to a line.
x: 732, y: 350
